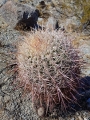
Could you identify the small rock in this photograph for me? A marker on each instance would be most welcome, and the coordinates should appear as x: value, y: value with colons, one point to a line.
x: 73, y: 118
x: 3, y: 24
x: 41, y: 111
x: 72, y: 24
x: 77, y: 114
x: 79, y: 118
x: 85, y: 119
x: 4, y: 87
x: 50, y: 23
x: 9, y: 13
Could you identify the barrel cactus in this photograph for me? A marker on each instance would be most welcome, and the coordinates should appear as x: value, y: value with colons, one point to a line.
x: 48, y: 69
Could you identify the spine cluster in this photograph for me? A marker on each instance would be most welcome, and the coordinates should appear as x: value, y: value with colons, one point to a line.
x: 49, y: 69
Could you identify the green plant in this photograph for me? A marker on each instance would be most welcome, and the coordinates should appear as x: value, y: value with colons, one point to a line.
x: 49, y: 69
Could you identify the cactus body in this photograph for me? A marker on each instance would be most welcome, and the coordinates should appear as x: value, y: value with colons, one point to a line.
x: 49, y: 68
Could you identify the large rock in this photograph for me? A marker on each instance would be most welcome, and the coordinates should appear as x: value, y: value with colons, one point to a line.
x: 82, y: 42
x: 9, y: 12
x: 12, y: 12
x: 47, y: 19
x: 2, y: 2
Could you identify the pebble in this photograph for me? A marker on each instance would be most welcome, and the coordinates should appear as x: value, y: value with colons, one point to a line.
x: 6, y: 98
x: 41, y: 111
x: 4, y: 88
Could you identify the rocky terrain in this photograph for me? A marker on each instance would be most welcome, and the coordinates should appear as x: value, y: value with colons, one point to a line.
x: 72, y: 17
